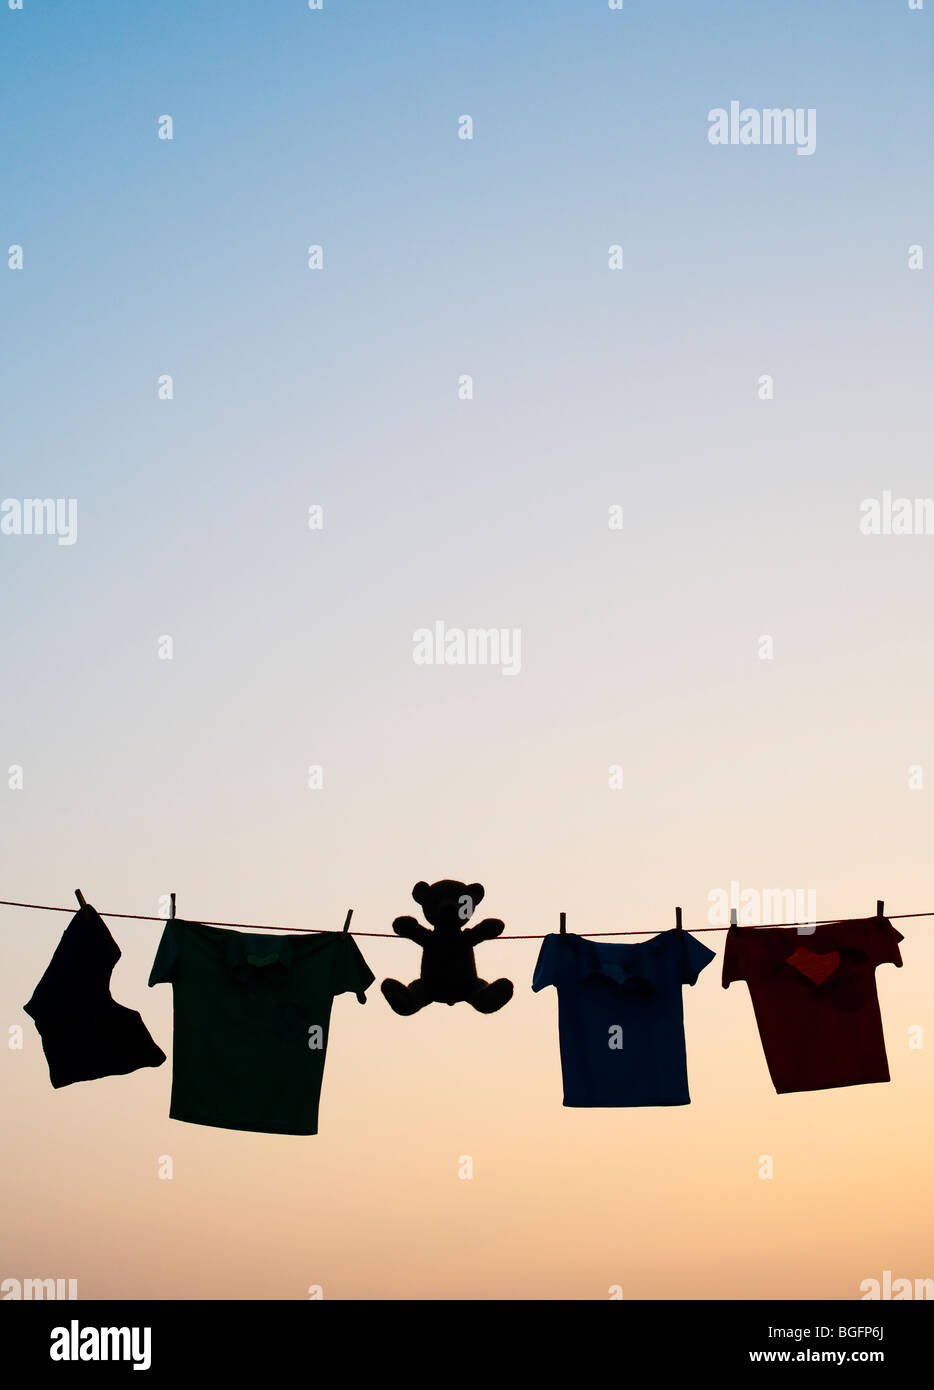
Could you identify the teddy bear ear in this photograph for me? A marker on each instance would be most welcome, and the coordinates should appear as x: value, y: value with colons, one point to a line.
x: 475, y: 893
x: 421, y: 891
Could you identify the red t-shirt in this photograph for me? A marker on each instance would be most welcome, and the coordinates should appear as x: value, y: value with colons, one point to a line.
x: 815, y: 1000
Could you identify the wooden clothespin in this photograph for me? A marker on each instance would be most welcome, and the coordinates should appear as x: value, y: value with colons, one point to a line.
x: 562, y: 924
x: 347, y: 919
x: 171, y: 906
x: 678, y: 919
x: 81, y: 898
x: 880, y: 908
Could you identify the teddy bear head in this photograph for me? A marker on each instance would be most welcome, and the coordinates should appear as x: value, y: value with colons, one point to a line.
x: 448, y: 905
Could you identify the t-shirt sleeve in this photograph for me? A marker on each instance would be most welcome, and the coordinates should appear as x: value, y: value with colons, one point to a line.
x: 546, y: 966
x: 733, y: 965
x: 694, y: 956
x: 352, y: 974
x: 167, y: 957
x: 884, y: 944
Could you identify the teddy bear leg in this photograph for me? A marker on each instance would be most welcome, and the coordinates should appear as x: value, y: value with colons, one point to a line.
x: 487, y: 998
x: 404, y: 999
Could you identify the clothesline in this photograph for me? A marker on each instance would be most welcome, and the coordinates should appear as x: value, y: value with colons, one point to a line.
x: 251, y: 1018
x: 391, y: 936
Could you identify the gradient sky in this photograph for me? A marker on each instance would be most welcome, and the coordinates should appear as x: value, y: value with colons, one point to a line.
x: 640, y: 647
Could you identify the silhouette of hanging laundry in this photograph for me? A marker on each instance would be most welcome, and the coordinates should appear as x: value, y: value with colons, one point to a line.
x: 85, y: 1033
x: 816, y: 1006
x: 449, y: 972
x: 252, y: 1022
x: 621, y: 1016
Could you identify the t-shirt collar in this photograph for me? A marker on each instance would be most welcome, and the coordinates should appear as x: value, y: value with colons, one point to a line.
x: 638, y: 975
x: 246, y: 953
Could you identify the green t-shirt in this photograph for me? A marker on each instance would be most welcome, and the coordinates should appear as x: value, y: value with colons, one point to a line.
x: 251, y: 1022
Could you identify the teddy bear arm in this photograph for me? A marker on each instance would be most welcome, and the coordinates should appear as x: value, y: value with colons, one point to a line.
x: 414, y: 931
x: 485, y: 930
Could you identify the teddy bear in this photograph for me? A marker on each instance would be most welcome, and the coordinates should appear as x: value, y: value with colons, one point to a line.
x: 449, y: 972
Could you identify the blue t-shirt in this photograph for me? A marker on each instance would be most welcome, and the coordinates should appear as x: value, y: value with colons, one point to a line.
x: 620, y: 1018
